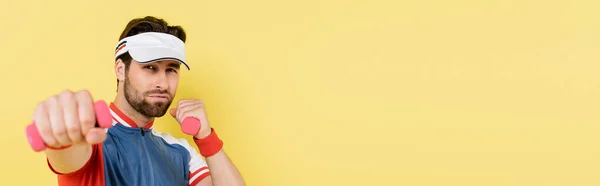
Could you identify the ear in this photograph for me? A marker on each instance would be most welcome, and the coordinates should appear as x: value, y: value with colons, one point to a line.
x: 120, y: 70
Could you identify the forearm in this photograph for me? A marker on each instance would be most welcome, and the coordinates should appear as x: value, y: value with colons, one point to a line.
x: 223, y: 171
x: 70, y: 159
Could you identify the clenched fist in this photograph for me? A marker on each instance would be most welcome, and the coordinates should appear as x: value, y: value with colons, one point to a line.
x: 192, y: 108
x: 68, y: 118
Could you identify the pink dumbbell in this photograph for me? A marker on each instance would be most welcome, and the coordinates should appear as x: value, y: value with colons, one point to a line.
x: 103, y: 118
x: 190, y: 125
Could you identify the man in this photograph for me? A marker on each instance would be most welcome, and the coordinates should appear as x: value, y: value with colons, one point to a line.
x: 148, y: 57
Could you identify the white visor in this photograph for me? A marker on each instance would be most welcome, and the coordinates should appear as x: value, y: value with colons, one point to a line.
x: 152, y: 46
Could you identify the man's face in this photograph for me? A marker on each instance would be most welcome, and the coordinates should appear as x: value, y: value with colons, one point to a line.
x: 149, y: 88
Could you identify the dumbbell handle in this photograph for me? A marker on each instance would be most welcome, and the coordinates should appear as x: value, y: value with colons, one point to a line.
x: 103, y: 120
x: 190, y: 125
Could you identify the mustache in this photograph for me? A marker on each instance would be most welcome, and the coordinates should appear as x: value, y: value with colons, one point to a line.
x: 158, y: 91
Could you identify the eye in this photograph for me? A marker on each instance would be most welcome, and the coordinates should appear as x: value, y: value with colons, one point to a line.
x: 171, y: 70
x: 150, y: 67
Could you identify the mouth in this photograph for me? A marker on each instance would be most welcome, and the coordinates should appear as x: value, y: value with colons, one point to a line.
x: 159, y: 96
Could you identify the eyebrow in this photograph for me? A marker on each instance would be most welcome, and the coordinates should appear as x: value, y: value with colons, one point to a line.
x: 174, y: 65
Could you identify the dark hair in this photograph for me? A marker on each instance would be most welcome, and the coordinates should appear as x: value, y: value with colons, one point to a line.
x: 147, y: 24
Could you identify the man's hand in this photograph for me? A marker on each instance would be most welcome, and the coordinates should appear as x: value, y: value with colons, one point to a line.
x: 192, y: 108
x: 68, y: 119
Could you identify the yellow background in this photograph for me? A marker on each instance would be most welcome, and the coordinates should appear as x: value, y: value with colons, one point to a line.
x: 332, y: 92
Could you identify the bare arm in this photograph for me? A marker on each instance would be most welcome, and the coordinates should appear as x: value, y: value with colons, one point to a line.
x: 69, y: 160
x: 222, y: 171
x: 68, y: 120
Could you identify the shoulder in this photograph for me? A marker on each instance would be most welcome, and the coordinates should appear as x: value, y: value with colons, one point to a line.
x: 171, y: 140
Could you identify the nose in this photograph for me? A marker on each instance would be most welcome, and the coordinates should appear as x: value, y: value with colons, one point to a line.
x: 160, y: 81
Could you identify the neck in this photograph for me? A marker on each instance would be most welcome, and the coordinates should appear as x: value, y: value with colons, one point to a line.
x: 139, y: 119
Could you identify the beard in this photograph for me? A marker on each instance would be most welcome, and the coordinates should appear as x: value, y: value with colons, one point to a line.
x: 136, y: 99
